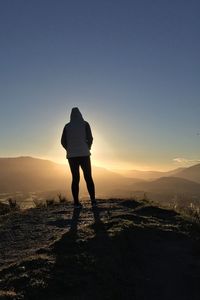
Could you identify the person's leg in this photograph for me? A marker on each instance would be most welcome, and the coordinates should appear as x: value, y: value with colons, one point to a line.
x: 87, y: 172
x: 74, y: 167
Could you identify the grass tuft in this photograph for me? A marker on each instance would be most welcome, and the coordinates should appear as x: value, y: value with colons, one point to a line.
x: 62, y: 200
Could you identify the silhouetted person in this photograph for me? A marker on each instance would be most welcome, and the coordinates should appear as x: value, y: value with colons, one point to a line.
x: 77, y: 140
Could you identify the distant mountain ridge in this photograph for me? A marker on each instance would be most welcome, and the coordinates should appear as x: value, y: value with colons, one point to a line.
x: 172, y: 185
x: 151, y: 175
x: 28, y: 174
x: 190, y: 173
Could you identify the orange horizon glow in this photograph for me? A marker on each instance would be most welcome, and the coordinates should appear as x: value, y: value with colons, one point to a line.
x: 103, y: 155
x: 116, y: 165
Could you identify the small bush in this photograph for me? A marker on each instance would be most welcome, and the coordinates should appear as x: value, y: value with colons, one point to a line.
x: 13, y: 204
x: 62, y: 200
x: 192, y: 212
x: 50, y: 202
x: 39, y: 203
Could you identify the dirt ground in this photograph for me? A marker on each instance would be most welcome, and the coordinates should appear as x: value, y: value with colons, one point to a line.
x: 122, y: 249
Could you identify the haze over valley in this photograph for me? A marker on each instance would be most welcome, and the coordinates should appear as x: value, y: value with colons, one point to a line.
x: 27, y: 178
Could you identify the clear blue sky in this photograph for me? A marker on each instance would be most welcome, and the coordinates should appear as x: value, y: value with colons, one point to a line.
x: 132, y: 67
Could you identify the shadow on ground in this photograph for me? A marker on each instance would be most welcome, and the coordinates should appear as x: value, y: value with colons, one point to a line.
x: 119, y: 250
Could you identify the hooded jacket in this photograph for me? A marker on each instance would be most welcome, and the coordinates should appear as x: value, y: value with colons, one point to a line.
x: 77, y: 136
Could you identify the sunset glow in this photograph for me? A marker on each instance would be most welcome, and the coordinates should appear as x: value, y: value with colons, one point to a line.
x: 132, y: 70
x: 99, y: 149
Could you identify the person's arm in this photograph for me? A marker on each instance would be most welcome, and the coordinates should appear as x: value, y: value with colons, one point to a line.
x: 89, y: 137
x: 64, y: 139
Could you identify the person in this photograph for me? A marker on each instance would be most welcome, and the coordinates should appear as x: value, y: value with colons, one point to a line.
x: 77, y: 140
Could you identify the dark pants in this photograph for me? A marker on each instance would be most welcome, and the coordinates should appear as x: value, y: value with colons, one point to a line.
x: 84, y: 162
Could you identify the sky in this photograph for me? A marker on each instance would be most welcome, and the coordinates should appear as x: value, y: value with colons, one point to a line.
x: 131, y: 66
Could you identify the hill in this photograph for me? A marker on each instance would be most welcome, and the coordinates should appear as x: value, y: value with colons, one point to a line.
x: 27, y: 174
x: 111, y: 184
x: 30, y: 174
x: 169, y: 185
x: 119, y: 250
x: 27, y: 178
x: 190, y: 173
x: 150, y: 175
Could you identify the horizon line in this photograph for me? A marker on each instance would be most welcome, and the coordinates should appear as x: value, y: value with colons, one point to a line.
x: 95, y: 165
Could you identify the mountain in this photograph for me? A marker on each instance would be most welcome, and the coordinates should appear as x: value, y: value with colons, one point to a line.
x: 191, y: 173
x: 170, y: 185
x: 28, y: 174
x: 150, y: 175
x: 111, y: 184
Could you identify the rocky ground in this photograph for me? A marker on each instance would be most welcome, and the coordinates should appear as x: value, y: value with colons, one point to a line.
x: 123, y: 249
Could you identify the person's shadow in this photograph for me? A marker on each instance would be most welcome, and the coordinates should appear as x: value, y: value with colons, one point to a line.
x: 74, y: 221
x: 74, y: 257
x: 68, y: 239
x: 98, y: 226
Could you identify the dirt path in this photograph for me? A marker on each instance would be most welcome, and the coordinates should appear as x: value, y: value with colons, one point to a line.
x: 120, y: 250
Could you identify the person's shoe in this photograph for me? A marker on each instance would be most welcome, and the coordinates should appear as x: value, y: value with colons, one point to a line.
x: 94, y: 203
x: 78, y: 205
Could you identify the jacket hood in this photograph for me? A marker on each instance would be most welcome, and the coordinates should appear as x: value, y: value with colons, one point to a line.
x: 76, y: 115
